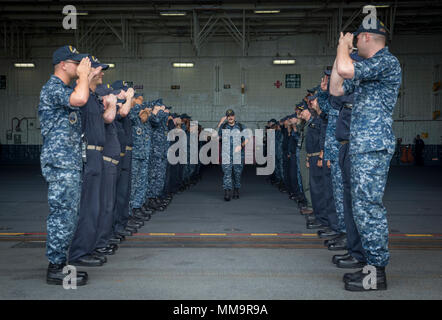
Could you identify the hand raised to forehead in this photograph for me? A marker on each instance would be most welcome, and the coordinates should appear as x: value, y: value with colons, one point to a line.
x: 84, y: 68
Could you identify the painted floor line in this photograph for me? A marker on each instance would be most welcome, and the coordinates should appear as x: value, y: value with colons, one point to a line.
x: 413, y: 235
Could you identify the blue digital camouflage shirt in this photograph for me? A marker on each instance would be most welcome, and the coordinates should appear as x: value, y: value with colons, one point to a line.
x: 230, y: 142
x: 60, y: 127
x: 139, y: 134
x: 374, y: 101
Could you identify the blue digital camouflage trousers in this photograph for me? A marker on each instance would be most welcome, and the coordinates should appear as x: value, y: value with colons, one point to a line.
x: 338, y: 194
x: 232, y: 176
x: 369, y: 172
x: 139, y: 182
x: 64, y: 192
x: 157, y: 175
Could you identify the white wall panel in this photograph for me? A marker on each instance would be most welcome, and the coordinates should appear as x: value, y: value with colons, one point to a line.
x: 196, y: 96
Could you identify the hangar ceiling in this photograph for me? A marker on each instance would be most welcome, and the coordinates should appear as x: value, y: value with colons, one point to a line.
x: 101, y: 22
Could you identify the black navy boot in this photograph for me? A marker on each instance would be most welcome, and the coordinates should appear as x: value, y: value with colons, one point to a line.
x: 227, y: 195
x: 355, y: 281
x: 55, y: 275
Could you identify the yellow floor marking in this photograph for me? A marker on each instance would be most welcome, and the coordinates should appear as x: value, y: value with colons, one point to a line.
x: 12, y: 234
x: 419, y: 235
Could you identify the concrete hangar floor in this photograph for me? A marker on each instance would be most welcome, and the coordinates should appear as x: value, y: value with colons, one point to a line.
x: 201, y: 247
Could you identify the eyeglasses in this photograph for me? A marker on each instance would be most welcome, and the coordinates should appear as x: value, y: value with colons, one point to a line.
x: 74, y: 62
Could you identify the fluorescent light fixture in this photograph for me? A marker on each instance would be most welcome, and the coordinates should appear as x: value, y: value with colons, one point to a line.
x: 267, y: 11
x: 284, y: 61
x: 173, y: 13
x: 24, y: 65
x: 182, y: 65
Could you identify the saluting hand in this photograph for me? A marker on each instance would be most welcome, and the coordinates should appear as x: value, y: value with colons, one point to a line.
x: 346, y: 40
x: 84, y: 68
x: 130, y: 93
x: 94, y: 72
x: 109, y: 100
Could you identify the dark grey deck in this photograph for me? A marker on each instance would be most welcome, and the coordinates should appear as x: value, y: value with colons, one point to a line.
x: 294, y: 266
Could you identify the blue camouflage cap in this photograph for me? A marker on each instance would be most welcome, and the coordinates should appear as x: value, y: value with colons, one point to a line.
x: 104, y: 90
x: 95, y: 63
x: 293, y: 115
x: 67, y: 53
x: 185, y: 116
x: 120, y: 85
x: 158, y: 102
x: 379, y: 29
x: 168, y: 107
x: 137, y: 95
x: 313, y: 97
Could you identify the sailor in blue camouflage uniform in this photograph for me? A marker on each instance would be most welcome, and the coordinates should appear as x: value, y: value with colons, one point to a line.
x: 61, y: 161
x: 158, y: 155
x: 186, y: 168
x: 185, y: 126
x: 167, y: 190
x: 139, y: 116
x: 375, y: 83
x: 231, y: 171
x: 333, y: 176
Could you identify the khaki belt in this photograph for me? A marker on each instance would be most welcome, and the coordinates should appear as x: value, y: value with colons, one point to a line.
x: 122, y: 154
x: 115, y: 162
x: 313, y: 154
x: 344, y: 142
x: 91, y: 147
x: 128, y: 148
